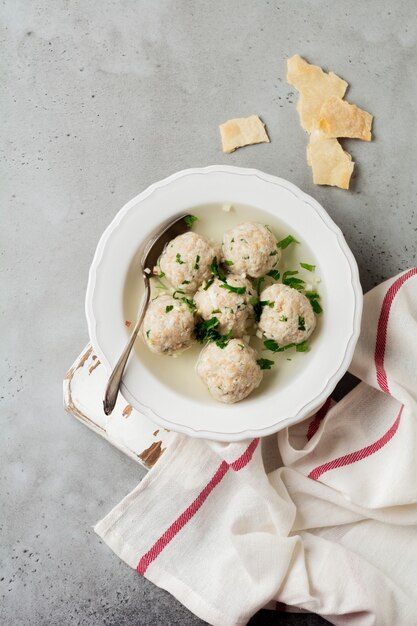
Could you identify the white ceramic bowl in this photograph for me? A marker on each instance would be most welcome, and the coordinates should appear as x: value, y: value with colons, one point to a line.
x: 278, y: 406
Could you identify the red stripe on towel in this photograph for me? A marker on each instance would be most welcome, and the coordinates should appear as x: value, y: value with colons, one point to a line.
x: 381, y: 336
x: 190, y: 511
x: 319, y: 417
x: 348, y: 459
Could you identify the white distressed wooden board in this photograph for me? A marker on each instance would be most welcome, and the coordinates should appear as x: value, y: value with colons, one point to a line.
x: 130, y: 431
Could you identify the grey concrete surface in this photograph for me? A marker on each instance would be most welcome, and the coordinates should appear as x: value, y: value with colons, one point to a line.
x: 100, y: 99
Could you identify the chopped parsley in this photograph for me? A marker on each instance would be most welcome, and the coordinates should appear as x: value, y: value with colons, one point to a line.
x: 258, y: 305
x: 178, y: 259
x: 223, y: 340
x: 238, y: 290
x: 228, y: 262
x: 283, y: 318
x: 302, y: 347
x: 215, y: 311
x: 274, y: 274
x: 217, y: 271
x: 314, y: 298
x: 190, y: 219
x: 307, y: 266
x: 148, y: 332
x: 289, y: 279
x: 284, y: 243
x: 265, y: 364
x: 185, y: 282
x: 208, y: 283
x: 257, y: 283
x: 206, y: 331
x: 188, y: 301
x: 169, y: 308
x: 273, y: 253
x: 271, y: 344
x: 301, y: 323
x: 197, y: 260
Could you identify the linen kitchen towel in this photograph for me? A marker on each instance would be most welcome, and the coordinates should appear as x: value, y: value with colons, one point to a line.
x: 333, y: 530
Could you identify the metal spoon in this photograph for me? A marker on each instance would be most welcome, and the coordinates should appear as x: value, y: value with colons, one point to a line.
x: 149, y: 260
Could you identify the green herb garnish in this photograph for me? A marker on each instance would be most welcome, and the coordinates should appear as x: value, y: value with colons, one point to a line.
x: 223, y: 340
x: 314, y: 297
x: 190, y: 219
x: 238, y: 290
x: 265, y: 364
x: 257, y: 283
x: 208, y: 283
x: 283, y: 318
x: 307, y: 266
x: 197, y: 260
x: 273, y: 253
x: 288, y: 278
x: 228, y: 262
x: 190, y: 303
x: 217, y: 271
x: 177, y: 291
x: 185, y: 282
x: 206, y: 331
x: 168, y: 308
x: 302, y: 347
x: 274, y: 274
x: 284, y: 243
x: 258, y: 305
x: 148, y: 332
x: 301, y: 323
x: 178, y: 259
x: 271, y: 344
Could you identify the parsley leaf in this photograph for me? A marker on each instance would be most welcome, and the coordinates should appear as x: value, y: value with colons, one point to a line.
x: 228, y: 262
x: 238, y: 290
x: 190, y: 219
x: 265, y: 364
x: 208, y: 283
x: 178, y: 259
x: 284, y: 243
x: 302, y: 347
x: 217, y: 271
x: 168, y: 308
x: 223, y: 340
x: 283, y: 318
x: 307, y: 266
x: 301, y: 323
x: 257, y: 283
x: 313, y: 296
x: 258, y: 305
x: 274, y: 274
x: 288, y: 278
x: 271, y: 344
x: 205, y: 331
x: 197, y: 260
x: 148, y: 333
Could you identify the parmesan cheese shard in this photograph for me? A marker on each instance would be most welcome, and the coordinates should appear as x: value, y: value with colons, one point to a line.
x: 314, y: 86
x: 330, y: 163
x: 242, y: 131
x: 341, y: 119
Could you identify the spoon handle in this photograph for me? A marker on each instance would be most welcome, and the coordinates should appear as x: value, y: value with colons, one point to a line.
x: 115, y: 379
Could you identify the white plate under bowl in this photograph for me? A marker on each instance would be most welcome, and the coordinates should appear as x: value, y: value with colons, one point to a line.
x: 278, y: 406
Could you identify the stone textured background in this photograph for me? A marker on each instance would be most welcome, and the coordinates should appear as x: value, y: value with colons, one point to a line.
x: 100, y: 99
